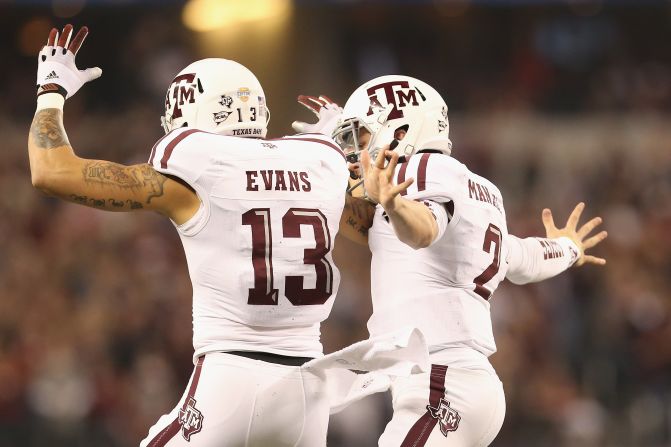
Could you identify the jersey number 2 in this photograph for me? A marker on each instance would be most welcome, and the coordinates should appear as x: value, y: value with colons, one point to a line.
x: 492, y: 237
x: 262, y: 257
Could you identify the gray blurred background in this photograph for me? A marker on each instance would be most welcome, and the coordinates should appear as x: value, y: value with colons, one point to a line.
x: 555, y: 101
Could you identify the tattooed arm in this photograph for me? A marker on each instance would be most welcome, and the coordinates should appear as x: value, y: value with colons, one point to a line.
x: 56, y: 170
x: 356, y: 219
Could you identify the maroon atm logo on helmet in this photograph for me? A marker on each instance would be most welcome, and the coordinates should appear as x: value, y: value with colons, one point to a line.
x: 397, y: 93
x: 182, y: 91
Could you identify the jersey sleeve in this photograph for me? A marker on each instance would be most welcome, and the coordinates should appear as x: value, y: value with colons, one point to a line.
x: 437, y: 177
x: 440, y: 214
x: 181, y: 153
x: 536, y: 259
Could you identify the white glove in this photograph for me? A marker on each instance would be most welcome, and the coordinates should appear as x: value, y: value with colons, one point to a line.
x: 56, y: 69
x: 325, y: 109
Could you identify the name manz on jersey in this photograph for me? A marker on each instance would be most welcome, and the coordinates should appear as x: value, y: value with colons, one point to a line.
x: 259, y: 249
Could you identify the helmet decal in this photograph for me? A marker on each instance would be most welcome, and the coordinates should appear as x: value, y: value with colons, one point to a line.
x: 219, y: 96
x: 382, y: 106
x: 397, y: 93
x: 182, y: 90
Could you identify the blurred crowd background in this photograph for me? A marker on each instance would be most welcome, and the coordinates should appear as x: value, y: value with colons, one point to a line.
x: 555, y: 101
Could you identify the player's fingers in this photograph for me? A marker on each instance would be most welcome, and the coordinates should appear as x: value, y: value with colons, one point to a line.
x: 326, y: 99
x: 587, y: 259
x: 78, y: 40
x: 379, y: 161
x: 53, y: 35
x: 588, y: 227
x: 393, y: 161
x: 65, y: 36
x: 548, y: 220
x: 594, y: 240
x: 396, y: 190
x: 573, y: 219
x: 309, y: 102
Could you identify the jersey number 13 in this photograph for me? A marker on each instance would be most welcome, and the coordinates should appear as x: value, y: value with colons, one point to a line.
x: 264, y: 292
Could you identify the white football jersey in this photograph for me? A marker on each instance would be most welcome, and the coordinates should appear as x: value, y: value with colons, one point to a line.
x: 443, y: 289
x: 259, y: 249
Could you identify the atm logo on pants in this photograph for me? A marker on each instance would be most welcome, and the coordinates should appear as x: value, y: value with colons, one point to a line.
x: 191, y: 419
x: 448, y: 417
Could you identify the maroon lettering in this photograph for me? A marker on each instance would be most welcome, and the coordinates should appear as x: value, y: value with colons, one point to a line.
x: 306, y: 182
x: 293, y: 180
x: 488, y: 198
x: 551, y: 249
x: 410, y: 97
x: 186, y: 94
x: 251, y: 180
x: 480, y: 193
x: 280, y: 185
x: 267, y: 179
x: 390, y: 95
x: 492, y: 243
x: 180, y: 93
x: 472, y: 193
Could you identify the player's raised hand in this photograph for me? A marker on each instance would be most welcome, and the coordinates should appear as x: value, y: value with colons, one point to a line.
x: 378, y: 178
x: 580, y: 236
x: 56, y: 68
x: 326, y: 110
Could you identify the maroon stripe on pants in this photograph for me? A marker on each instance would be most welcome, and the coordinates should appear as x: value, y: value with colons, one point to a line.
x: 421, y: 172
x: 421, y: 430
x: 401, y: 175
x: 165, y: 435
x: 171, y: 146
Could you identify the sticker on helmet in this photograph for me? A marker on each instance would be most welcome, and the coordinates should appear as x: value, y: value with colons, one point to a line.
x: 226, y: 101
x: 243, y: 94
x: 220, y: 117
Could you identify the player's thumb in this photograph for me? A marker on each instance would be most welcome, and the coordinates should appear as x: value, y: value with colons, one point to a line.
x: 299, y: 126
x: 92, y: 73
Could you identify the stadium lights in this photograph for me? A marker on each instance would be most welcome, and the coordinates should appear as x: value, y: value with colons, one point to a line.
x: 211, y: 15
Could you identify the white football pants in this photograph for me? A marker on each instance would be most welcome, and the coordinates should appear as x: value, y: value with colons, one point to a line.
x: 450, y: 407
x: 233, y: 401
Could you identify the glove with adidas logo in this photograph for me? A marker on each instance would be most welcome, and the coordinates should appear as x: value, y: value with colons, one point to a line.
x: 56, y: 69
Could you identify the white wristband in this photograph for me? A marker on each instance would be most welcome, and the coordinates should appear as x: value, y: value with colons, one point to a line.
x: 50, y: 101
x: 570, y: 248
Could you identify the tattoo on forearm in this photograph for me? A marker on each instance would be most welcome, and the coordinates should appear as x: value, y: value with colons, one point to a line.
x: 126, y: 177
x: 105, y: 203
x: 47, y: 129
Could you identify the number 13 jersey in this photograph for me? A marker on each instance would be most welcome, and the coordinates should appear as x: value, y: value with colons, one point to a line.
x: 259, y: 249
x: 443, y: 289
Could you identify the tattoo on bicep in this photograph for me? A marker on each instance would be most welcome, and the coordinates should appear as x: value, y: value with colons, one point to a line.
x: 47, y: 129
x: 361, y: 213
x: 142, y: 177
x: 357, y: 226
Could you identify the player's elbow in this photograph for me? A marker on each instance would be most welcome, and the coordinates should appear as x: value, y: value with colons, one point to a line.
x: 39, y: 179
x: 42, y: 180
x: 421, y: 240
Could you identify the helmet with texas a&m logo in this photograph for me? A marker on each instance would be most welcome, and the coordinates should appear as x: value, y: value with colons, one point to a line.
x: 219, y: 96
x: 389, y: 104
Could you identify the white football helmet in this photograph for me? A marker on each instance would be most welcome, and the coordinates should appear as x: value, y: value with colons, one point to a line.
x: 388, y: 103
x: 219, y: 96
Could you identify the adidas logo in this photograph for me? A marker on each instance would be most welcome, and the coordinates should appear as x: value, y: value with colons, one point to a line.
x: 52, y: 75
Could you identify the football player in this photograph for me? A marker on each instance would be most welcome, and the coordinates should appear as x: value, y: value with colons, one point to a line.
x: 257, y: 219
x: 440, y: 246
